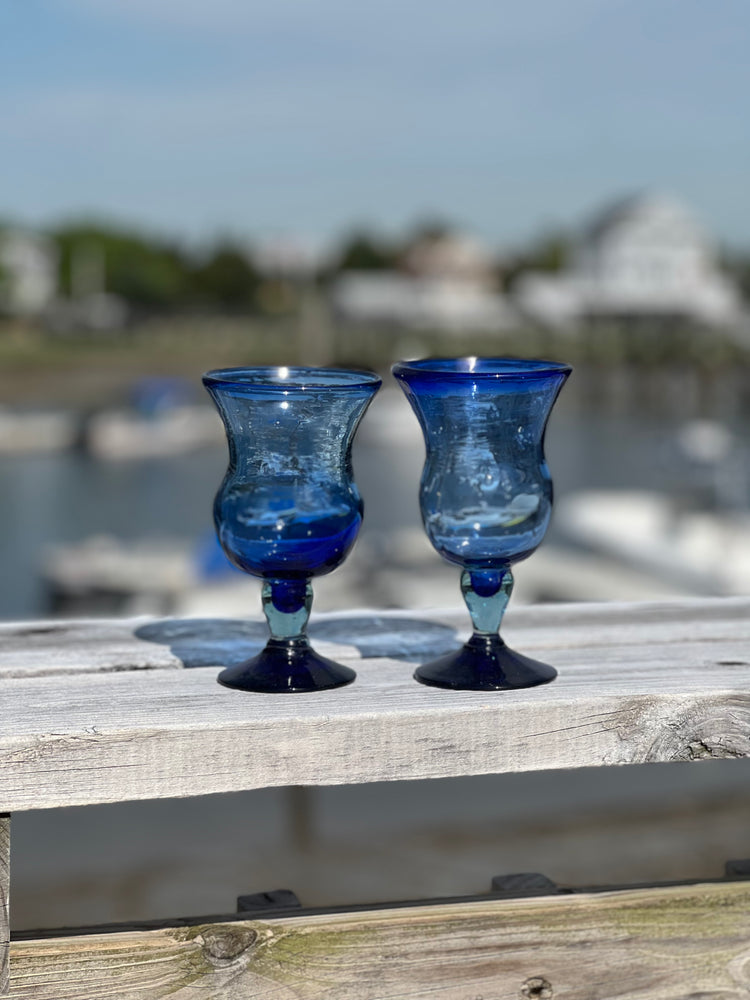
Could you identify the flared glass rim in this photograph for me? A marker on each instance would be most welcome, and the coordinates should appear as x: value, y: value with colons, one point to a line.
x: 482, y: 368
x: 289, y: 378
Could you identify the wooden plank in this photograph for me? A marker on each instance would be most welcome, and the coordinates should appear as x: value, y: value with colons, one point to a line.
x: 4, y: 900
x: 44, y: 648
x: 48, y: 648
x: 638, y: 684
x: 645, y: 944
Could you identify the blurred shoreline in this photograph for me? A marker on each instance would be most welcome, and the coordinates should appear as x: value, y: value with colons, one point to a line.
x: 682, y: 370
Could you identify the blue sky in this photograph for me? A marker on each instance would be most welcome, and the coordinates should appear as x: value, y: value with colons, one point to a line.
x: 203, y: 117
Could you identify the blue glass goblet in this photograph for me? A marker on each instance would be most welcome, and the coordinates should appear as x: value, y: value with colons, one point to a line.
x: 485, y: 496
x: 288, y: 508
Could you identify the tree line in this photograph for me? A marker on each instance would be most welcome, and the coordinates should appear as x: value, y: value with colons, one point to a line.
x: 155, y: 274
x: 161, y: 275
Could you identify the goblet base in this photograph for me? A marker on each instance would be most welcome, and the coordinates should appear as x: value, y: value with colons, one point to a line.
x: 485, y: 663
x: 287, y: 665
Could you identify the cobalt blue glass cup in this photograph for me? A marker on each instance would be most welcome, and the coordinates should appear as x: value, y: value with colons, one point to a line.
x: 485, y: 496
x: 288, y: 508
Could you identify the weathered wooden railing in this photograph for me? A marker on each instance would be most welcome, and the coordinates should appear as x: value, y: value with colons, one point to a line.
x: 99, y: 712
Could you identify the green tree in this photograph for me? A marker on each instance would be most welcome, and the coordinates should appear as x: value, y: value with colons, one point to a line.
x: 146, y: 272
x: 550, y: 252
x: 226, y: 279
x: 737, y: 263
x: 363, y: 252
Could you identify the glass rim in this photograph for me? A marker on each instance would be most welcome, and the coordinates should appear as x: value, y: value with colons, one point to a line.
x: 289, y: 378
x: 482, y: 367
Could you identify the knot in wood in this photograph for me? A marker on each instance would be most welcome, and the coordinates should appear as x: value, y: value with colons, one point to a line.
x: 702, y: 731
x: 701, y: 749
x: 537, y: 987
x: 227, y: 943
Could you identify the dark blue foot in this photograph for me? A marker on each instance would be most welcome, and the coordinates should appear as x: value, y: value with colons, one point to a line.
x: 286, y: 666
x: 485, y: 663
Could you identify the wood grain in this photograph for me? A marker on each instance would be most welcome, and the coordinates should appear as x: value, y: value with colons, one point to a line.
x: 48, y: 648
x: 4, y: 900
x: 637, y: 683
x: 646, y: 944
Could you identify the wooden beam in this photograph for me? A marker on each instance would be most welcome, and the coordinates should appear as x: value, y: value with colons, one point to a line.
x: 4, y: 901
x: 53, y: 648
x: 637, y: 683
x: 645, y: 944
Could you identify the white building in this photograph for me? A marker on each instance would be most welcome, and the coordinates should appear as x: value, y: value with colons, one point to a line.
x: 28, y: 273
x: 445, y: 282
x: 644, y: 257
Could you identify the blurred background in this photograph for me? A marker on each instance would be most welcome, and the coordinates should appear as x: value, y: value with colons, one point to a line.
x: 187, y: 186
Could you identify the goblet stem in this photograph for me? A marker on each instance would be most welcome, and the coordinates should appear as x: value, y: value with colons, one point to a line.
x: 288, y: 663
x: 286, y: 605
x: 485, y: 663
x: 486, y: 593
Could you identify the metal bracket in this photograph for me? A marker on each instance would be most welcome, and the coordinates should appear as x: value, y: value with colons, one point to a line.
x: 276, y: 899
x: 519, y: 885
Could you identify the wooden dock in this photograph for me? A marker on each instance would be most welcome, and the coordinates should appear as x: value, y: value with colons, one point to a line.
x: 116, y: 711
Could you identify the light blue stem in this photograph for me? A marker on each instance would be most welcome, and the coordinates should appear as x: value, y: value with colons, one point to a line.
x: 286, y: 605
x: 486, y: 595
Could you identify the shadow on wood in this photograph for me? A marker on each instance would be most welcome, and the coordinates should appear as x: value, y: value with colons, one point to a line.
x: 226, y: 642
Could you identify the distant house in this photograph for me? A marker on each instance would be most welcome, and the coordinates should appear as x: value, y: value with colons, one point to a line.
x: 644, y: 257
x: 286, y: 257
x: 451, y: 257
x: 445, y: 281
x: 28, y: 273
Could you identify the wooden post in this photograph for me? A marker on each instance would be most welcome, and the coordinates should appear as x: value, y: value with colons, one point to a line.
x: 4, y: 899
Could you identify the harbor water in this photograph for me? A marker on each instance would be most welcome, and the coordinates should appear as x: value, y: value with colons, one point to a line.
x: 67, y: 496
